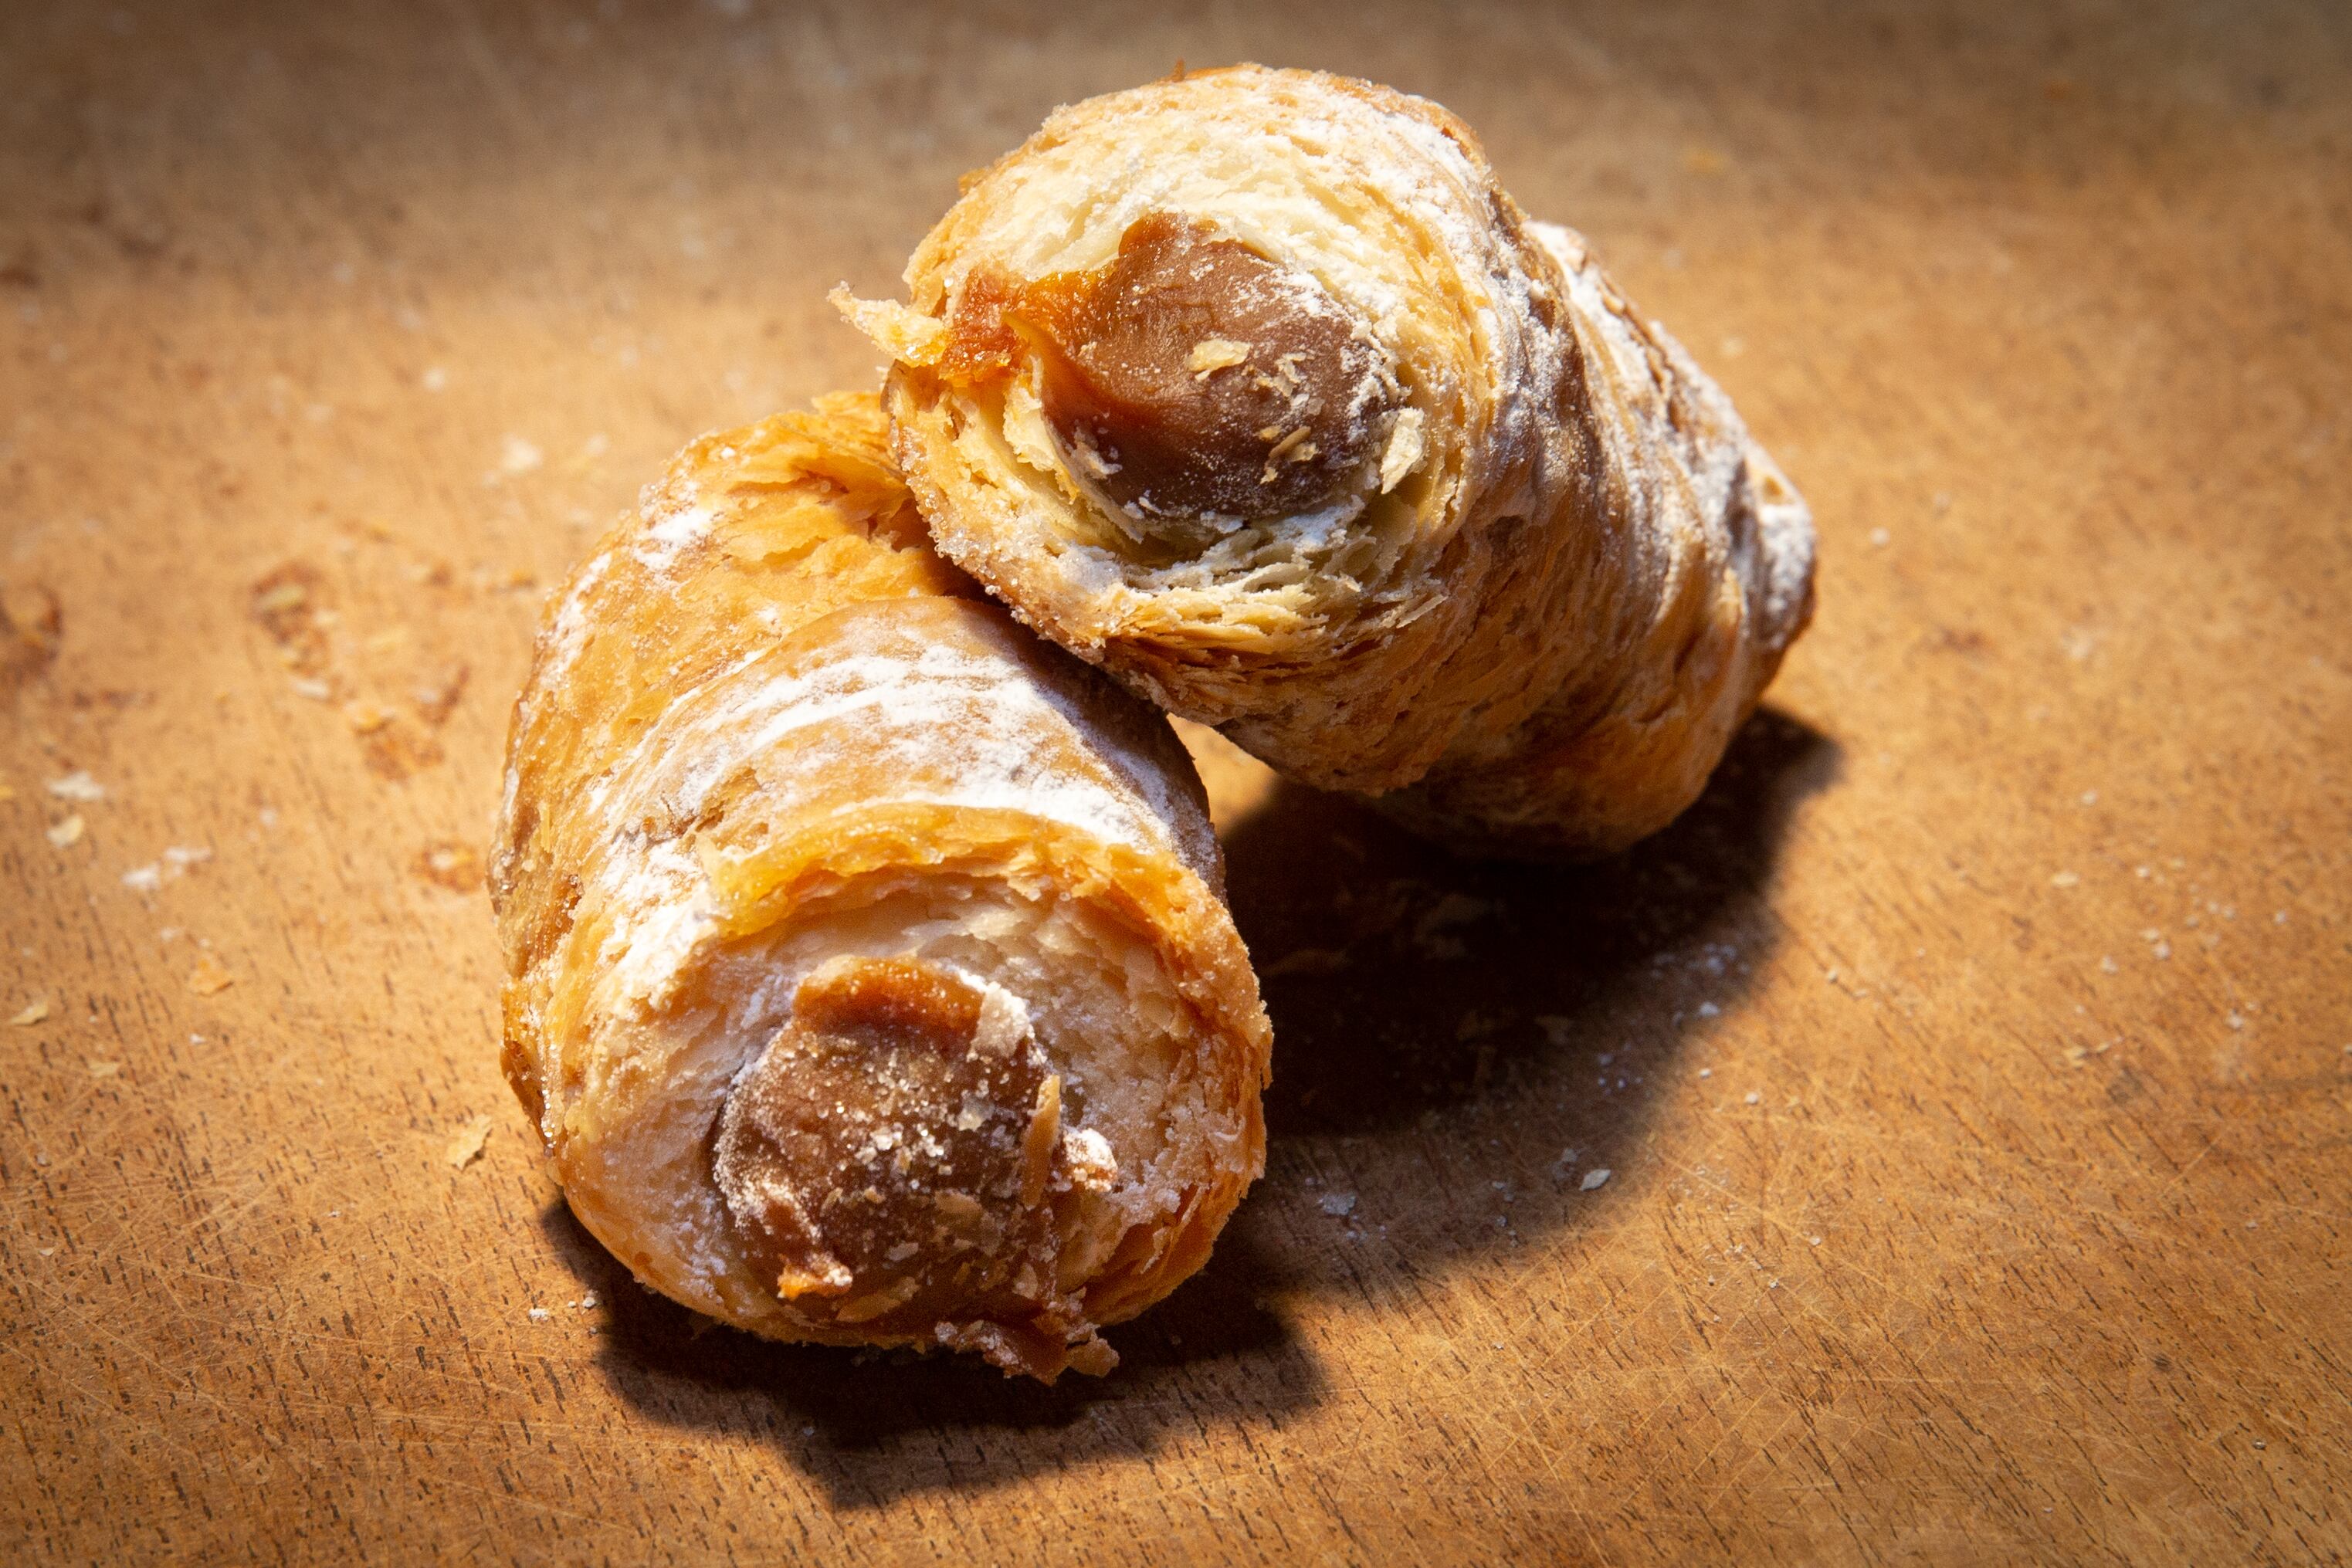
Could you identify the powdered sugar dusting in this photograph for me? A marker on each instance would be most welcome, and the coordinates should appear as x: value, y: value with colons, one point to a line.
x: 663, y: 910
x: 674, y: 532
x: 952, y: 721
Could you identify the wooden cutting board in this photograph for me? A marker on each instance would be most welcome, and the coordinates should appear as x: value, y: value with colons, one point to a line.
x: 1935, y: 1147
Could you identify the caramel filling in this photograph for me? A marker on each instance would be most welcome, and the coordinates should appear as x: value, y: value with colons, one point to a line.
x: 888, y: 1160
x: 1189, y: 377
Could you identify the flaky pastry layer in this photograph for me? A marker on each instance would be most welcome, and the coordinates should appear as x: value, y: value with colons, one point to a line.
x: 1255, y: 387
x: 870, y: 979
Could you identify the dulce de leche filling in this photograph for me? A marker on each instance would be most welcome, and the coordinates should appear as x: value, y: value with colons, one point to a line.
x: 1189, y: 376
x: 887, y: 1162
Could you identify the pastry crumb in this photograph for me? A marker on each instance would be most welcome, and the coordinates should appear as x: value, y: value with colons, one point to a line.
x: 517, y: 456
x: 366, y: 716
x: 1210, y: 355
x: 467, y: 1146
x: 209, y: 978
x: 1092, y: 1164
x: 1405, y: 450
x: 280, y: 596
x: 33, y: 1013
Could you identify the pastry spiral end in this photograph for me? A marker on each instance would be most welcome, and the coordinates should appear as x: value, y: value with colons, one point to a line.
x: 869, y: 975
x: 1255, y: 387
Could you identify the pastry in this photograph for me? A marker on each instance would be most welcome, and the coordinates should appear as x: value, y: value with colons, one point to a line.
x: 869, y: 975
x: 1253, y: 388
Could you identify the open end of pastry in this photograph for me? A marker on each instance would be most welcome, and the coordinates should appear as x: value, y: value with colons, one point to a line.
x: 981, y: 1136
x: 1189, y: 383
x: 887, y: 1158
x: 1206, y: 410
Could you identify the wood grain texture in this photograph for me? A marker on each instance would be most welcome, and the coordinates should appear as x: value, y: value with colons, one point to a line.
x: 1972, y: 1069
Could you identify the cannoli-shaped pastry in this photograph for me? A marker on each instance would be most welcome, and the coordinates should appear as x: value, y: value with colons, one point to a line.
x: 1255, y: 387
x: 868, y: 974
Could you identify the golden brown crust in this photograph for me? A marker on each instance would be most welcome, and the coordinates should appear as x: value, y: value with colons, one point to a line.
x: 805, y: 848
x: 1684, y: 633
x: 1562, y: 573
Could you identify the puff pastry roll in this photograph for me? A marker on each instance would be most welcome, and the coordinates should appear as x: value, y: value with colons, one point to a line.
x: 1255, y: 387
x: 869, y: 975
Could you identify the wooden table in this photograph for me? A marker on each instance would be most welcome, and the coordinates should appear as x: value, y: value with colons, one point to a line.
x: 1971, y: 1070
